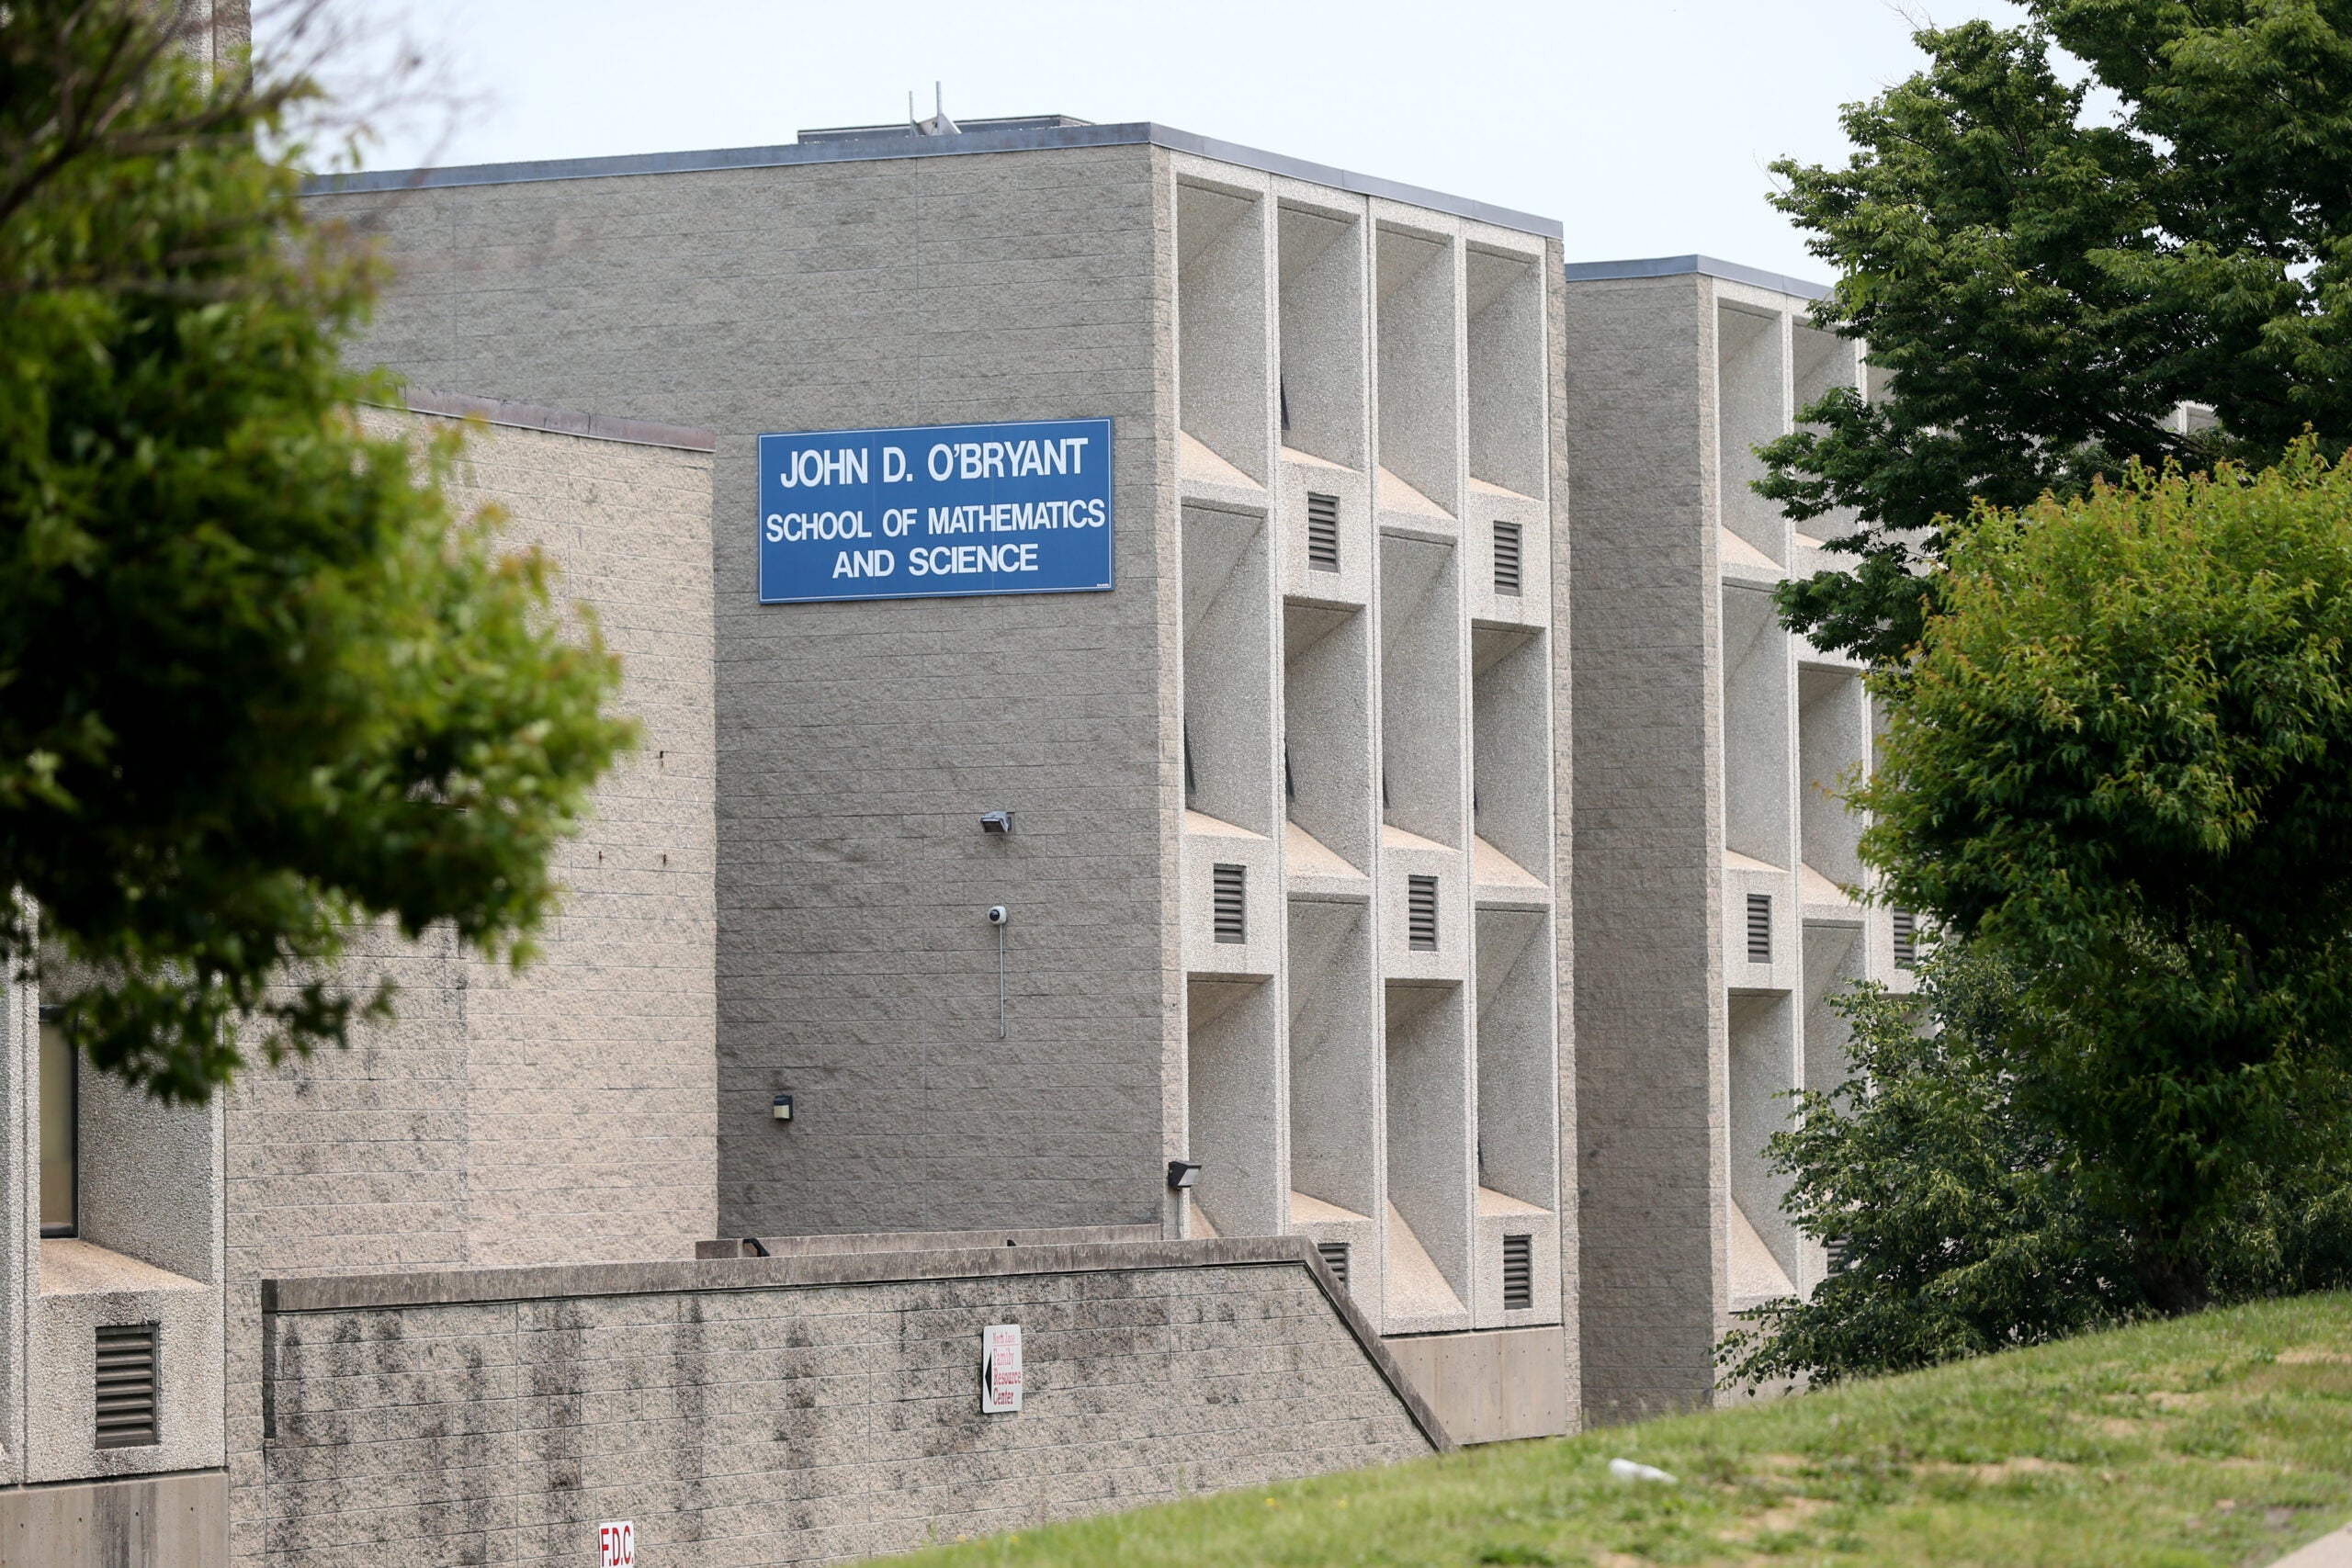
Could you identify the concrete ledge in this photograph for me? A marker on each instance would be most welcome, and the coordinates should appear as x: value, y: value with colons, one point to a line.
x: 560, y: 422
x: 1684, y: 266
x: 176, y: 1520
x: 859, y: 150
x: 367, y: 1292
x: 921, y: 1241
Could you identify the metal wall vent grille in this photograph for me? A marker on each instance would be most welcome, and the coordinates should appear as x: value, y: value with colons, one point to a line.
x: 1229, y: 902
x: 1518, y: 1273
x: 1335, y: 1258
x: 1760, y: 927
x: 1323, y: 532
x: 125, y: 1385
x: 1907, y: 940
x: 1841, y: 1253
x: 1507, y: 557
x: 1420, y: 913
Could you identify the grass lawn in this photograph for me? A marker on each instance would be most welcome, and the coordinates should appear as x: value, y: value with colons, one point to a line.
x: 2222, y: 1439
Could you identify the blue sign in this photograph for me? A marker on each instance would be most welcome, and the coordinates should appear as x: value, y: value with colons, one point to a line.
x: 935, y: 509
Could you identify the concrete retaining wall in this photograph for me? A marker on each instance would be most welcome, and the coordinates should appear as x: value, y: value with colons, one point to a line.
x: 175, y: 1520
x: 798, y: 1409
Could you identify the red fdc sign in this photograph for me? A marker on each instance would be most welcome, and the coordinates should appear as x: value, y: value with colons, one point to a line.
x: 616, y: 1545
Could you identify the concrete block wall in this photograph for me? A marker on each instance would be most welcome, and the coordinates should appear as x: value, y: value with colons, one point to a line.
x: 563, y: 1112
x: 859, y: 743
x: 1717, y: 889
x: 805, y: 1409
x: 1649, y: 1022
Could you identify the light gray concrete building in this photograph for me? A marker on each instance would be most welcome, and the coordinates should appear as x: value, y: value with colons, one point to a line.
x: 1716, y: 896
x: 1255, y: 1108
x: 1325, y: 689
x: 439, y: 1295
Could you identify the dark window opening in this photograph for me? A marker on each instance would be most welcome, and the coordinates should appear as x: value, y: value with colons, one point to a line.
x: 61, y: 1154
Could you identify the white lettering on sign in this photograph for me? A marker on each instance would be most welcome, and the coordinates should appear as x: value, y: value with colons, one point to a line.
x: 616, y: 1544
x: 999, y: 1369
x: 810, y: 466
x: 945, y: 560
x: 941, y: 510
x: 794, y: 526
x: 865, y: 563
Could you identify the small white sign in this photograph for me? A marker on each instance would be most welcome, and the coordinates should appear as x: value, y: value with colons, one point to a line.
x: 616, y: 1544
x: 999, y: 1369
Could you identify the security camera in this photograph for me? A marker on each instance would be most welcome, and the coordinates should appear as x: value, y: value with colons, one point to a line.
x: 998, y: 914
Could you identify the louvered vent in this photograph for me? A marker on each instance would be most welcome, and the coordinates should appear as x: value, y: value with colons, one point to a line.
x: 1229, y: 904
x: 1518, y: 1273
x: 125, y: 1385
x: 1760, y: 927
x: 1323, y: 532
x: 1507, y: 557
x: 1335, y: 1258
x: 1841, y: 1253
x: 1907, y: 940
x: 1420, y: 913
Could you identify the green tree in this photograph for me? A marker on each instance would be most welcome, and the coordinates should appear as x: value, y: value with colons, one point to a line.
x: 1955, y: 1213
x: 257, y: 686
x: 2119, y: 761
x: 1962, y: 1220
x: 2039, y: 292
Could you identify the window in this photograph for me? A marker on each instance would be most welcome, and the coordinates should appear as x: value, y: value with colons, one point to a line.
x: 1506, y: 559
x: 1229, y: 903
x: 60, y: 1160
x: 1420, y: 914
x: 1322, y: 532
x: 1760, y: 927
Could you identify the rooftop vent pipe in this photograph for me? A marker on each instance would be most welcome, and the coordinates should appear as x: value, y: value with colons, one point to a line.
x: 938, y: 124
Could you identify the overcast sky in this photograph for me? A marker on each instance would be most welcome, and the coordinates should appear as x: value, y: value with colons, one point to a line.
x: 1644, y: 127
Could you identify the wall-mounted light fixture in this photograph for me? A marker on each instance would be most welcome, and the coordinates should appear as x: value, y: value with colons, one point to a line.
x: 1183, y: 1174
x: 782, y: 1110
x: 996, y: 822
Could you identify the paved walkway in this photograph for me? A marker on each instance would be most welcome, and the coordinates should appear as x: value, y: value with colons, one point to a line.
x: 2331, y: 1551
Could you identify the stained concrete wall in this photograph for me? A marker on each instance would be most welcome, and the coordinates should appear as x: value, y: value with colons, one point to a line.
x: 859, y: 743
x: 1649, y: 971
x: 155, y: 1521
x: 1708, y: 740
x: 805, y: 1409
